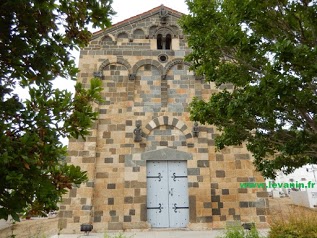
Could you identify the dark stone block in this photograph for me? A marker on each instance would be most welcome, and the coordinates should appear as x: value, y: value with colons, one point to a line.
x: 215, y: 198
x: 214, y: 185
x: 128, y: 123
x: 202, y: 150
x: 188, y: 136
x: 242, y: 179
x: 190, y: 145
x: 215, y: 211
x: 219, y: 157
x: 109, y: 160
x: 143, y: 213
x: 203, y: 163
x: 121, y: 158
x: 251, y: 179
x: 223, y: 218
x: 83, y: 200
x: 262, y: 194
x: 128, y: 200
x: 220, y: 174
x: 140, y: 199
x: 136, y: 169
x: 175, y: 121
x: 200, y: 179
x: 262, y: 218
x: 73, y: 193
x: 111, y: 186
x: 243, y: 204
x: 192, y: 209
x: 106, y: 134
x: 112, y: 213
x: 165, y: 120
x: 132, y: 212
x: 193, y: 171
x: 86, y: 207
x: 261, y: 211
x: 242, y: 190
x: 163, y: 143
x: 102, y: 175
x: 207, y: 204
x: 110, y: 201
x: 225, y: 191
x: 232, y: 211
x: 242, y: 156
x: 89, y: 160
x: 212, y: 192
x: 127, y: 219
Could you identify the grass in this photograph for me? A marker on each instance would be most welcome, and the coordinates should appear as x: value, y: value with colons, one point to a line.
x: 240, y: 232
x: 293, y: 222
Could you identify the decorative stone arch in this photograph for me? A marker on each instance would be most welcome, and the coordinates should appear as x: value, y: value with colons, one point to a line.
x: 175, y: 28
x: 122, y: 35
x: 118, y: 61
x: 137, y: 32
x: 164, y: 30
x: 145, y: 62
x: 170, y: 121
x: 166, y: 154
x: 107, y: 39
x: 152, y: 29
x: 172, y: 63
x: 108, y: 36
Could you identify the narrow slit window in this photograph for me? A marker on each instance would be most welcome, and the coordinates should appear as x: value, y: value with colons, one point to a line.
x: 159, y: 42
x: 168, y: 42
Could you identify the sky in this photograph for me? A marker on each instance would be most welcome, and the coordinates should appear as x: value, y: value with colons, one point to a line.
x: 129, y: 8
x: 126, y: 9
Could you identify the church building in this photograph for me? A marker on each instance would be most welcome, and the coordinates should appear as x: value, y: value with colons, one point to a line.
x: 149, y: 165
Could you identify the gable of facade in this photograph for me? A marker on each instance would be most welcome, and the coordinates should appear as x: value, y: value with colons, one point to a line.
x: 148, y: 164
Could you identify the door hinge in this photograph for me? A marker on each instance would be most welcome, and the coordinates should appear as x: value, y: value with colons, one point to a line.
x: 159, y: 207
x: 175, y: 208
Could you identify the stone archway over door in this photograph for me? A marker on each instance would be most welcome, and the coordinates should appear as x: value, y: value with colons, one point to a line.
x: 167, y: 194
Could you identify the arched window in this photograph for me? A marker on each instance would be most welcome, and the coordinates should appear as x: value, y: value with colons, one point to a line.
x: 164, y: 42
x: 159, y: 42
x: 168, y: 42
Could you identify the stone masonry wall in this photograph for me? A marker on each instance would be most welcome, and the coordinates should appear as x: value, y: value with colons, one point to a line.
x: 139, y: 88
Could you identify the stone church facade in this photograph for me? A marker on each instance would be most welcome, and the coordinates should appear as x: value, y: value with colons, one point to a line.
x: 148, y: 164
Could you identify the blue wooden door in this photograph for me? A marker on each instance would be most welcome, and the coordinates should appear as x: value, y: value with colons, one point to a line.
x: 167, y: 194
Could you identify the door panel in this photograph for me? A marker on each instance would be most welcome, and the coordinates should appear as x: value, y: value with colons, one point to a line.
x: 178, y: 196
x: 157, y: 198
x: 167, y: 193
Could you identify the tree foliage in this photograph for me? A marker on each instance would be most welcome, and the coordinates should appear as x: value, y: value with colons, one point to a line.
x: 35, y: 42
x: 266, y: 51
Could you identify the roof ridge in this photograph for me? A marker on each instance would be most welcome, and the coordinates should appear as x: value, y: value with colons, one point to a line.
x: 138, y: 15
